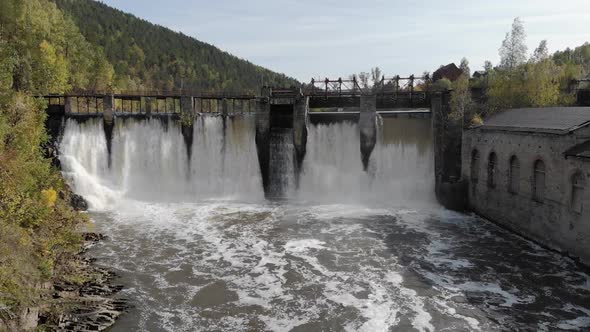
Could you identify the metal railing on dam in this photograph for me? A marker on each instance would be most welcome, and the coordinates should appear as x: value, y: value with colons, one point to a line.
x: 323, y: 95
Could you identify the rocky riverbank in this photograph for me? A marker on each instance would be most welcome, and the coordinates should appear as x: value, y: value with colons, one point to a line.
x: 93, y: 305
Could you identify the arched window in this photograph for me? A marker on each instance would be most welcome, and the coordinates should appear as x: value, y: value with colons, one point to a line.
x: 492, y: 166
x: 539, y: 181
x: 578, y: 186
x: 475, y: 166
x: 514, y: 177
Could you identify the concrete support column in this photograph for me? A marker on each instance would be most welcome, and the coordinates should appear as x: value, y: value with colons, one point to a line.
x: 68, y: 101
x: 436, y: 110
x: 224, y: 107
x: 108, y: 108
x: 108, y: 113
x: 186, y: 105
x: 148, y: 106
x: 300, y: 110
x: 368, y: 127
x: 451, y: 190
x: 262, y: 108
x: 186, y: 122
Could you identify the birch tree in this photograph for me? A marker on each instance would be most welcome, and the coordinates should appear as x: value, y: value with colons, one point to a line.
x: 514, y: 50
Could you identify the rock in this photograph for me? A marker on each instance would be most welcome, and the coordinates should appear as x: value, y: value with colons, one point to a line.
x: 78, y: 202
x: 93, y: 237
x: 94, y: 305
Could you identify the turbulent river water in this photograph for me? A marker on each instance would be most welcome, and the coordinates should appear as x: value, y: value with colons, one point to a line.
x: 198, y: 248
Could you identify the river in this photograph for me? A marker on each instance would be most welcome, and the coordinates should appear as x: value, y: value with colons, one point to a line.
x: 199, y: 248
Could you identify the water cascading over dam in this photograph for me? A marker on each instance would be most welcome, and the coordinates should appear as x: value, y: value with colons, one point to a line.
x: 149, y: 161
x: 346, y: 248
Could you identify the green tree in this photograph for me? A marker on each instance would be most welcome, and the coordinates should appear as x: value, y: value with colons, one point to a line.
x: 534, y: 84
x: 443, y: 84
x: 461, y: 103
x: 541, y: 52
x: 50, y: 70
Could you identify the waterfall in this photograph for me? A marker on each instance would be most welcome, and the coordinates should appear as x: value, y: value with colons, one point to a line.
x: 281, y: 165
x: 400, y: 169
x: 150, y: 162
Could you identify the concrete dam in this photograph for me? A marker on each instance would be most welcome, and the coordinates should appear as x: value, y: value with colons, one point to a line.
x: 281, y: 151
x: 295, y: 212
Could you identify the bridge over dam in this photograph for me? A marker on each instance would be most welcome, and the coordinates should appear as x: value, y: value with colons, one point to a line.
x: 279, y: 114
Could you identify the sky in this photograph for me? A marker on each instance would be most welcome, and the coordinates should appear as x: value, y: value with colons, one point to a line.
x: 329, y: 38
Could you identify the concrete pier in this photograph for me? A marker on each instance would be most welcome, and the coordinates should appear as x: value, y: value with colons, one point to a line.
x: 187, y: 119
x: 300, y: 110
x: 108, y: 107
x: 224, y: 107
x: 148, y: 106
x: 368, y: 127
x: 108, y: 113
x: 263, y: 136
x: 68, y: 101
x: 186, y: 105
x: 451, y: 192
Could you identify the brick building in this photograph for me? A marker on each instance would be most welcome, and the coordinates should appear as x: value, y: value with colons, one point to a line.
x: 529, y: 170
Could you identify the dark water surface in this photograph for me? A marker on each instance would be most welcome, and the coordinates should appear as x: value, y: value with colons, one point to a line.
x: 246, y: 267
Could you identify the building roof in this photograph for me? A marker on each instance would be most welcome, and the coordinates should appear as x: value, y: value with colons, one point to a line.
x: 450, y: 72
x: 480, y: 73
x: 580, y: 151
x: 554, y: 120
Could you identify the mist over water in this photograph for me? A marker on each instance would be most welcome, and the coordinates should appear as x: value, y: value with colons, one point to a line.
x: 200, y: 249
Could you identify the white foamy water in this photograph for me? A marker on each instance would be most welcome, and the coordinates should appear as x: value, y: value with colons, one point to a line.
x: 400, y: 172
x: 199, y: 249
x: 150, y: 162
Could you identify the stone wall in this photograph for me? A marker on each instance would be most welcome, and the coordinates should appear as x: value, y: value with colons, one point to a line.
x: 550, y: 221
x: 447, y: 139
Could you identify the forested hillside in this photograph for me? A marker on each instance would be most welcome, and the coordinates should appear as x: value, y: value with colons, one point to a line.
x: 148, y: 56
x: 43, y: 51
x: 40, y: 51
